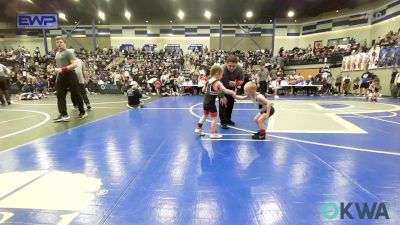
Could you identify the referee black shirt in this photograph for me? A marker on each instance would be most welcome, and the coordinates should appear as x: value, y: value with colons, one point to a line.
x: 227, y: 76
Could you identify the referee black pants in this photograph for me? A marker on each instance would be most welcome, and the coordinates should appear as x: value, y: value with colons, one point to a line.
x: 225, y: 113
x: 65, y: 81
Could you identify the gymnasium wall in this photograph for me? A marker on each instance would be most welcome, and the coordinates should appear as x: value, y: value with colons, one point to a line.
x: 297, y: 67
x: 86, y: 42
x: 365, y: 33
x: 381, y: 29
x: 307, y: 72
x: 29, y: 43
x: 285, y: 42
x: 160, y: 41
x: 361, y: 34
x: 364, y: 24
x: 238, y: 43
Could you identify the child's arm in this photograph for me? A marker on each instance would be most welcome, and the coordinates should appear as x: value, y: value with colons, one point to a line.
x: 220, y: 88
x: 241, y: 97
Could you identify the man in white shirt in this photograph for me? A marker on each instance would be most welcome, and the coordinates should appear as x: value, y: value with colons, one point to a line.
x: 81, y: 72
x: 165, y: 78
x: 273, y: 87
x: 181, y: 79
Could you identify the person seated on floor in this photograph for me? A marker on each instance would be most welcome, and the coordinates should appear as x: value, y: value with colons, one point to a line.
x: 134, y: 95
x: 356, y: 84
x: 28, y: 93
x: 187, y: 86
x: 174, y: 88
x: 373, y: 91
x: 346, y: 84
x: 40, y: 86
x: 157, y: 86
x: 273, y: 88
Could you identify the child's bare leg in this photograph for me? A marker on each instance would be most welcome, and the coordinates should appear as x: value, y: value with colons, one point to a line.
x: 213, y: 133
x: 199, y: 128
x: 260, y: 121
x: 213, y: 122
x: 255, y: 119
x: 203, y: 118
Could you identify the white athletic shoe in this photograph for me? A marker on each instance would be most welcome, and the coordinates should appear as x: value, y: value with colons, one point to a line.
x: 82, y: 115
x: 215, y: 135
x: 62, y: 118
x: 198, y: 131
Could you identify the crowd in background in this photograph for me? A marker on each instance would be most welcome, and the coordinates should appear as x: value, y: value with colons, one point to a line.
x: 391, y: 39
x: 171, y: 71
x: 318, y: 53
x: 247, y: 59
x: 335, y: 50
x: 152, y: 69
x: 32, y: 71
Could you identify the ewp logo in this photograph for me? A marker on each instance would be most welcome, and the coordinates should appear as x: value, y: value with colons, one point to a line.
x: 331, y: 210
x: 37, y: 21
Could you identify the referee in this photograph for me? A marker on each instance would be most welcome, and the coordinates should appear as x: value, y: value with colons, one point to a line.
x: 232, y: 77
x: 66, y: 78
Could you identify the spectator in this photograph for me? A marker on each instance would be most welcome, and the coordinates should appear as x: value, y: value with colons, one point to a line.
x: 365, y: 79
x: 273, y: 72
x: 4, y: 85
x: 396, y: 91
x: 393, y: 84
x: 157, y: 86
x: 373, y: 90
x: 262, y: 78
x: 134, y: 96
x: 274, y: 87
x: 82, y: 78
x: 346, y: 85
x: 338, y: 83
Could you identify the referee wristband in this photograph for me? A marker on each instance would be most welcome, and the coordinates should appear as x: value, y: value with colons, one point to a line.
x: 237, y: 83
x: 221, y: 95
x: 64, y: 69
